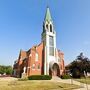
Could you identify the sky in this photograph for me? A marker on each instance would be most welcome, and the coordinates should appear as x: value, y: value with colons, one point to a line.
x: 21, y: 27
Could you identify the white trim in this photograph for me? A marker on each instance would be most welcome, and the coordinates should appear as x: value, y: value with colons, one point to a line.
x: 33, y: 66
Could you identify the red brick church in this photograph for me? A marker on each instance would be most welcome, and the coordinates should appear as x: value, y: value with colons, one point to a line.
x: 42, y: 59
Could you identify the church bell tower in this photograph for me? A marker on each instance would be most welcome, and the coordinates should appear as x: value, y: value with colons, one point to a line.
x: 49, y: 40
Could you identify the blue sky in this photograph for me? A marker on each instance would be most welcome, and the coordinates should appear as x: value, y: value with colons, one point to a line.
x: 21, y: 26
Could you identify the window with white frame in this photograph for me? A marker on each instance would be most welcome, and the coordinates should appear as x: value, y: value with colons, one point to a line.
x: 51, y: 41
x: 36, y: 57
x: 38, y: 67
x: 51, y: 51
x: 33, y: 66
x: 51, y: 45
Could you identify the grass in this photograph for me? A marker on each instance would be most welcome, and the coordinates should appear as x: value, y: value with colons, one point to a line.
x: 83, y: 80
x: 35, y: 85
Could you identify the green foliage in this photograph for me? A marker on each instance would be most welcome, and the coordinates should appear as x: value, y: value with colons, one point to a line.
x: 76, y: 73
x: 66, y: 76
x: 78, y: 66
x: 40, y: 77
x: 6, y: 69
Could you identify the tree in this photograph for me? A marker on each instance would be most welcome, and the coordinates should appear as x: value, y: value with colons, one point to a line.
x: 84, y: 63
x: 6, y: 69
x: 79, y: 65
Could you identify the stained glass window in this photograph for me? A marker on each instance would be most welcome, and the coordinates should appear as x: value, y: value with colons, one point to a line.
x: 51, y: 41
x: 51, y: 45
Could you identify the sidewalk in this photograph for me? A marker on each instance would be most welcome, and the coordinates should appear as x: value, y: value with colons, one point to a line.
x: 71, y: 81
x: 82, y: 85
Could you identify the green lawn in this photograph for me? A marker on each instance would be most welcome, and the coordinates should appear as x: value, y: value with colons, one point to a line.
x: 35, y: 85
x: 83, y: 80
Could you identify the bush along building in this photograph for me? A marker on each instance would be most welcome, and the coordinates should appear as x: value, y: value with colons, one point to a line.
x: 42, y: 59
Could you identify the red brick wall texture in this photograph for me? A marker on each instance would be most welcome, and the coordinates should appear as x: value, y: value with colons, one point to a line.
x: 34, y: 66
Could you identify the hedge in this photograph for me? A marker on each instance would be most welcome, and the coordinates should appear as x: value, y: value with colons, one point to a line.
x: 66, y: 76
x: 40, y: 77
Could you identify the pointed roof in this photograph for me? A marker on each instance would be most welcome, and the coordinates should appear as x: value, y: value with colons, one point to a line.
x: 22, y: 54
x: 48, y: 15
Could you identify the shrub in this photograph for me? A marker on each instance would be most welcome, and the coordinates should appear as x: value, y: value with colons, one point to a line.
x: 66, y: 76
x: 76, y: 73
x: 40, y: 77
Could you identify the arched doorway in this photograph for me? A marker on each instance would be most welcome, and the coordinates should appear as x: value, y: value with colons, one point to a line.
x: 54, y: 70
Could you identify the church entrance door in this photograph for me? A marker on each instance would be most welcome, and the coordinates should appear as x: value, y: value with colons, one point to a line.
x: 55, y: 70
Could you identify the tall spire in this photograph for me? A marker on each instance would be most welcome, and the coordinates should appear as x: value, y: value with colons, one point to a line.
x: 48, y: 15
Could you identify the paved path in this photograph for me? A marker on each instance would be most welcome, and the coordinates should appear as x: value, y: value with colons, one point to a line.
x: 82, y: 85
x: 70, y: 81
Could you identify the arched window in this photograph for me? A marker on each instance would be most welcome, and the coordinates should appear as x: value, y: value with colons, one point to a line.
x: 47, y: 26
x: 36, y: 57
x: 33, y: 66
x: 38, y: 67
x: 50, y: 28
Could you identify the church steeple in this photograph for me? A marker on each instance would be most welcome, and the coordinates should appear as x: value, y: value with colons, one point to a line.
x: 48, y: 22
x: 49, y: 40
x: 48, y: 28
x: 48, y: 17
